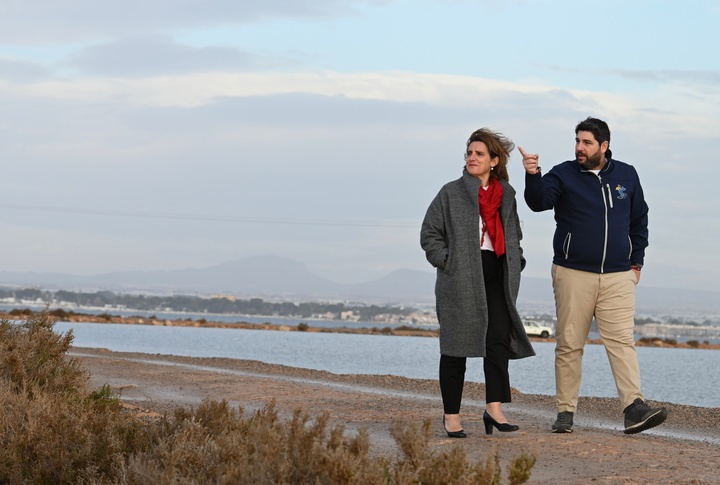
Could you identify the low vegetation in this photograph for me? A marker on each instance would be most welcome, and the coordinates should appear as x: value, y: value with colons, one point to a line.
x: 55, y: 430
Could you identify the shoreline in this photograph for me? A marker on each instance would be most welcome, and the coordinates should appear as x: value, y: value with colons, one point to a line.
x: 402, y: 330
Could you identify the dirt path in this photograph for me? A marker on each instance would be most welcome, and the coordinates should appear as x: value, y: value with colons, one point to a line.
x: 685, y: 450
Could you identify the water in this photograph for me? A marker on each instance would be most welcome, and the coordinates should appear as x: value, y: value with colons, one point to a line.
x: 681, y: 376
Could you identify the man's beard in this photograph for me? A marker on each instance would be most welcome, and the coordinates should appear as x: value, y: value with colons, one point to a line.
x: 591, y: 163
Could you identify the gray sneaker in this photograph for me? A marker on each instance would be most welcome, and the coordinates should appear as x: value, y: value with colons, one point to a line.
x: 639, y: 417
x: 564, y: 422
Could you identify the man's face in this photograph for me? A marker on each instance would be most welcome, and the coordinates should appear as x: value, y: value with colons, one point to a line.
x: 588, y: 152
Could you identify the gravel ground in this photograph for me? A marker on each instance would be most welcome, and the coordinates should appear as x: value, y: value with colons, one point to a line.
x: 684, y: 450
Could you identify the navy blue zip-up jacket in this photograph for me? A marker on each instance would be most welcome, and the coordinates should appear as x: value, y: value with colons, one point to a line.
x: 602, y: 220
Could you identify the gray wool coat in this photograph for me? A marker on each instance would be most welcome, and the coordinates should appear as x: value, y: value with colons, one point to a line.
x: 451, y: 229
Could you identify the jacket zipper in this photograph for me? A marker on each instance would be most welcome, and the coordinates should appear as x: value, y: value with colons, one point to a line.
x: 566, y: 245
x: 605, y: 203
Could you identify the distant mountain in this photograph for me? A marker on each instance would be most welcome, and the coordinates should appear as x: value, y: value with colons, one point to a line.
x: 273, y: 276
x: 262, y: 275
x: 256, y: 276
x: 401, y: 286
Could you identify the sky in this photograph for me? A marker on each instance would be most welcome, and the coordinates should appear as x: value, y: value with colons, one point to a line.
x: 166, y: 134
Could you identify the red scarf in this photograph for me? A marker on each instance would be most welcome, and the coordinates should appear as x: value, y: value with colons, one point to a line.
x: 489, y: 200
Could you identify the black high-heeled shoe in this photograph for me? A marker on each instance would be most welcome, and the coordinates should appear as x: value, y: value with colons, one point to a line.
x: 454, y: 434
x: 490, y: 422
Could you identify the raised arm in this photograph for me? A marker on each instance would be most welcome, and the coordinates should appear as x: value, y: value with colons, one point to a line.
x: 535, y: 190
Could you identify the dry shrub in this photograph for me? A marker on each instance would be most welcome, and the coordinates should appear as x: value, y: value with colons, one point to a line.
x: 420, y: 464
x: 520, y: 468
x: 32, y: 357
x: 54, y: 431
x: 214, y: 444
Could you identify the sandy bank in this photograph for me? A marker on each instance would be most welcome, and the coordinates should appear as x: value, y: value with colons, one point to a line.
x: 684, y: 450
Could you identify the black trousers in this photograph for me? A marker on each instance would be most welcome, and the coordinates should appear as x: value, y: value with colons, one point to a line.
x: 497, y: 342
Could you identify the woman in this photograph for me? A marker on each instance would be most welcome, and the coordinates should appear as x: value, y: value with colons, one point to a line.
x: 471, y: 234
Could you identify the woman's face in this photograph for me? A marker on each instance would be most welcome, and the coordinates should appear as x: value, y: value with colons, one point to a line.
x: 477, y: 160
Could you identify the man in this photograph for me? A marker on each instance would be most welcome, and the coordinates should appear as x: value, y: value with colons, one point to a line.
x: 599, y: 249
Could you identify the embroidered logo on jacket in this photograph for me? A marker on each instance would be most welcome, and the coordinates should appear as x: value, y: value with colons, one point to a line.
x: 622, y: 192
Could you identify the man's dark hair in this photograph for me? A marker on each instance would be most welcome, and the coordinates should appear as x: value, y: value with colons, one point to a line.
x: 598, y: 128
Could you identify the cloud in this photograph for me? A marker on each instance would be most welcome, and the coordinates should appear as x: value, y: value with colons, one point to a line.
x: 45, y: 21
x: 711, y: 78
x: 297, y: 145
x: 22, y: 72
x: 154, y: 55
x: 194, y: 89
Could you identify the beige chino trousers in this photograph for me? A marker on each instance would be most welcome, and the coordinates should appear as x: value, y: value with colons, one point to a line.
x: 610, y: 298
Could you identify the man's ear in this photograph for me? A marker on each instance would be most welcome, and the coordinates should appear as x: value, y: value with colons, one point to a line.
x: 604, y: 146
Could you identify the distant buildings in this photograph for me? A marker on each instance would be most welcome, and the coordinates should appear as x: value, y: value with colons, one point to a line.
x: 665, y: 330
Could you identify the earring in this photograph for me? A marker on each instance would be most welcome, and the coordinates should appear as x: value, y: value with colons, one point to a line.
x: 492, y: 168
